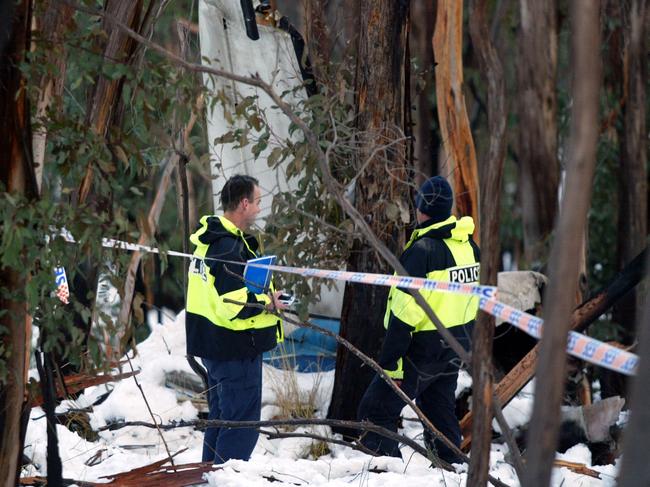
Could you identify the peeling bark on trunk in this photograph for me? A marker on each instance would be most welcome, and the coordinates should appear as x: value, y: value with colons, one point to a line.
x: 380, y: 103
x: 537, y: 148
x: 17, y: 176
x: 491, y: 172
x: 452, y: 110
x: 105, y: 99
x: 551, y: 368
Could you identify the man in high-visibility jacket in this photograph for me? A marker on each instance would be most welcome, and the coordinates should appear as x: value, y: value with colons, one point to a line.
x: 413, y: 352
x: 227, y: 325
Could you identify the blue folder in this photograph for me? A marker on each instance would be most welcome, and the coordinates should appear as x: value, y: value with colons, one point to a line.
x: 257, y: 279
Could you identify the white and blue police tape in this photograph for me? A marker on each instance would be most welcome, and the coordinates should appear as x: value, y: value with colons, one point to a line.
x: 578, y: 345
x: 581, y: 346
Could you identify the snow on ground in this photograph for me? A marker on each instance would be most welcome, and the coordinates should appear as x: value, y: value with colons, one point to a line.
x: 286, y: 460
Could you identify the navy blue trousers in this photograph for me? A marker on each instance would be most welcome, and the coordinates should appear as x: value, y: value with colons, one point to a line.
x: 235, y: 395
x: 433, y: 386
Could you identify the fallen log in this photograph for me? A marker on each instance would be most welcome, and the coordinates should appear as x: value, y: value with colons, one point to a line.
x: 154, y: 475
x: 158, y: 474
x: 74, y: 383
x: 583, y: 316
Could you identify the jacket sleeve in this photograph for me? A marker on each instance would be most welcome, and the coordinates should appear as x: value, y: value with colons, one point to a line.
x: 404, y: 314
x: 231, y: 286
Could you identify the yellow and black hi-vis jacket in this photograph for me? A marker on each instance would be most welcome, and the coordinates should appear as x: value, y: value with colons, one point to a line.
x: 443, y: 251
x: 217, y: 329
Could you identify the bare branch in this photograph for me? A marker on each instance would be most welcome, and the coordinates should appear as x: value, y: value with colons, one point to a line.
x: 144, y: 396
x: 273, y: 435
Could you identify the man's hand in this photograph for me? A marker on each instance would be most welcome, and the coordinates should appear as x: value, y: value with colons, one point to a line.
x: 275, y: 302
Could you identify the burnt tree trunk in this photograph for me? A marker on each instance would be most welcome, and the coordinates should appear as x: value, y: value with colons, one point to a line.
x: 16, y: 177
x: 551, y: 368
x: 452, y: 110
x: 491, y: 172
x: 537, y: 107
x: 380, y: 103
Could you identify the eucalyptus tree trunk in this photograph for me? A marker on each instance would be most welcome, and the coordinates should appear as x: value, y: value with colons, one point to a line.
x: 104, y: 102
x: 452, y: 111
x: 379, y: 86
x: 635, y: 469
x: 53, y: 20
x: 539, y: 172
x: 633, y: 182
x: 491, y: 172
x: 551, y: 368
x: 317, y: 37
x: 628, y: 45
x: 17, y: 177
x: 425, y: 148
x: 103, y: 112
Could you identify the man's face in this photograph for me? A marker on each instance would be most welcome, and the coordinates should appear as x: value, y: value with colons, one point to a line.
x: 251, y: 208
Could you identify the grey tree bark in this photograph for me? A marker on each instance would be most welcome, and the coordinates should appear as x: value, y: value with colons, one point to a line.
x: 537, y: 107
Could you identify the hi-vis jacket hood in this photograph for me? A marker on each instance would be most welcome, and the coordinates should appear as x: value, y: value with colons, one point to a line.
x: 213, y: 228
x: 451, y: 228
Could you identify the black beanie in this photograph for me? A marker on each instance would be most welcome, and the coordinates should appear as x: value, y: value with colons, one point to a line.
x: 435, y: 198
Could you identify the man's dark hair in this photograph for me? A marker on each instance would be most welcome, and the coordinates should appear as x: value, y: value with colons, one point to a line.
x: 236, y: 189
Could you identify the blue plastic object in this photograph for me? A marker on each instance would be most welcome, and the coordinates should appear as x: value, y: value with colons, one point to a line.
x: 257, y: 279
x: 306, y: 350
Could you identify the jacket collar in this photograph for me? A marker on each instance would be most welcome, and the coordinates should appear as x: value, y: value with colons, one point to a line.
x: 457, y: 229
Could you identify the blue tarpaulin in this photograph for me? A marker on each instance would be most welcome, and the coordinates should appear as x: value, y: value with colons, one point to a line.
x: 306, y: 350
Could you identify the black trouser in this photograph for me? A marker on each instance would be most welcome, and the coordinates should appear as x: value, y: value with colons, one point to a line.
x: 433, y: 385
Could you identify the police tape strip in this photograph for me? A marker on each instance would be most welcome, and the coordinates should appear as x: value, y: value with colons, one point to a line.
x: 357, y: 277
x: 389, y: 280
x: 581, y: 346
x: 578, y: 345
